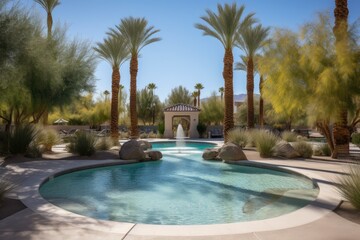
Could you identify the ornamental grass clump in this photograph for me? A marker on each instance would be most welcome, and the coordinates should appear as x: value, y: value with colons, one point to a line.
x: 304, y: 149
x: 289, y: 136
x: 21, y: 138
x: 349, y: 186
x: 265, y: 142
x: 83, y: 144
x: 48, y: 138
x: 238, y: 136
x: 104, y: 143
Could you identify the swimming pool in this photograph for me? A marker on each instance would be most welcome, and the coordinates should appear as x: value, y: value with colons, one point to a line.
x: 182, y: 189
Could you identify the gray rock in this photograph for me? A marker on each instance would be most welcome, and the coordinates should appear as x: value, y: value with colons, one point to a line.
x: 145, y: 145
x: 154, y: 155
x: 211, y: 154
x: 131, y: 150
x: 284, y: 149
x: 231, y: 152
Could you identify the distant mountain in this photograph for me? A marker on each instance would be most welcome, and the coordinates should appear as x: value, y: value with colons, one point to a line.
x: 238, y: 97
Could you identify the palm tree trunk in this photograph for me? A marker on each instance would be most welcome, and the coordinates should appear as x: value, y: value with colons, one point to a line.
x: 133, y: 114
x: 198, y: 101
x: 49, y: 24
x: 114, y: 122
x: 250, y: 92
x: 341, y: 131
x: 229, y: 92
x: 261, y: 104
x: 195, y: 101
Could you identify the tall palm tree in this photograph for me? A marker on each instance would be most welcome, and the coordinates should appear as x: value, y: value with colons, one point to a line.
x: 261, y: 103
x: 106, y: 93
x: 138, y: 34
x: 195, y: 95
x: 341, y: 131
x: 251, y: 40
x: 199, y: 87
x: 114, y: 50
x: 49, y: 6
x: 151, y: 87
x: 224, y: 26
x: 221, y: 91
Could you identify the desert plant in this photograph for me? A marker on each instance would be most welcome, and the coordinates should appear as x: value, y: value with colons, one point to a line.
x: 21, y: 138
x: 104, y: 143
x: 83, y: 144
x: 48, y: 138
x: 304, y: 149
x: 349, y: 186
x: 325, y: 149
x: 238, y: 136
x: 143, y: 135
x: 252, y: 136
x: 355, y: 139
x: 289, y: 136
x: 201, y: 128
x: 265, y: 142
x: 161, y: 128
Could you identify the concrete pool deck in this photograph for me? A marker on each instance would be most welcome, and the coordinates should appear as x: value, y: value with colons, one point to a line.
x: 41, y: 220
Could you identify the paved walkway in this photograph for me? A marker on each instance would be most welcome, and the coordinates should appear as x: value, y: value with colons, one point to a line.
x: 30, y: 224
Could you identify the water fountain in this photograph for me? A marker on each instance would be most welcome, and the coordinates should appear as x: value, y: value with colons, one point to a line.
x: 180, y: 136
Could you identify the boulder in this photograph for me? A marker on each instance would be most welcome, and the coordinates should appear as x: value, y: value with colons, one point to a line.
x: 284, y: 149
x: 211, y: 154
x: 154, y: 155
x: 131, y: 150
x: 231, y: 152
x: 145, y: 145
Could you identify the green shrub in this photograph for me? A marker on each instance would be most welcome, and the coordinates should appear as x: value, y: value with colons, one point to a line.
x: 48, y: 138
x: 21, y: 138
x: 161, y: 128
x: 304, y: 149
x: 5, y: 186
x: 289, y: 136
x: 104, y: 143
x: 143, y: 135
x: 83, y: 144
x: 355, y: 139
x: 252, y: 136
x: 349, y: 186
x: 238, y: 136
x: 325, y: 149
x: 265, y: 143
x: 201, y: 128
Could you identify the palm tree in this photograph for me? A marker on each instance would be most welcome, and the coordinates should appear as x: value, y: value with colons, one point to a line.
x: 114, y: 50
x: 151, y: 87
x: 224, y: 26
x: 199, y: 87
x: 195, y: 95
x: 251, y: 40
x: 261, y: 103
x: 221, y: 91
x: 106, y: 93
x: 341, y: 131
x: 49, y: 6
x: 138, y: 34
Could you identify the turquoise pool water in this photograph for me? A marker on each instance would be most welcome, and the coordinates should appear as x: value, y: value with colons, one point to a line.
x: 181, y: 189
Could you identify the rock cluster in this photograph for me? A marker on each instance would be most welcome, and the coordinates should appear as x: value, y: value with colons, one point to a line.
x: 228, y: 152
x: 138, y: 150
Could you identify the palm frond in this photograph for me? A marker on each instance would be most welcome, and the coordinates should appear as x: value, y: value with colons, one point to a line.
x: 137, y: 32
x: 251, y: 39
x: 224, y: 24
x: 114, y: 49
x: 48, y: 5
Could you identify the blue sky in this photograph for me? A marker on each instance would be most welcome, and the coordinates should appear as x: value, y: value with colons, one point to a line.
x: 183, y: 57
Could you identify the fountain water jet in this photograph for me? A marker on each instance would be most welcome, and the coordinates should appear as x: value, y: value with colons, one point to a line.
x: 180, y: 136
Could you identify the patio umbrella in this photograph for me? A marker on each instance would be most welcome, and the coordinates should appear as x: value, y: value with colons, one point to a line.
x: 61, y: 121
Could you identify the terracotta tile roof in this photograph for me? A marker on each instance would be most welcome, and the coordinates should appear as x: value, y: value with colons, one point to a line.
x: 181, y: 108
